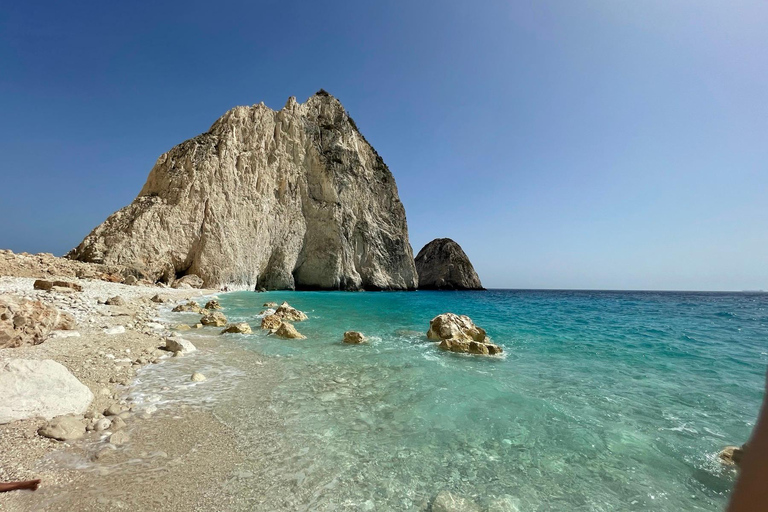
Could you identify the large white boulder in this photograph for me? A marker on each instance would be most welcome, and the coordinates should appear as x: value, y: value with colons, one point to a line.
x: 179, y: 345
x: 31, y: 388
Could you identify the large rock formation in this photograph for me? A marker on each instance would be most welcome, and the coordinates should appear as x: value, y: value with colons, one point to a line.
x: 294, y: 198
x: 458, y: 333
x: 443, y: 265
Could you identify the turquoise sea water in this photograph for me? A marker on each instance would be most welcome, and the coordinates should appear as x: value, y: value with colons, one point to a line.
x: 602, y: 401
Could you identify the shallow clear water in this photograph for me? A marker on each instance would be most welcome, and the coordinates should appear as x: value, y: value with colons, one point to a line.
x: 602, y: 401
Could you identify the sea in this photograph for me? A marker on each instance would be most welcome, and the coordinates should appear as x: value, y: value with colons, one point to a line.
x: 601, y: 401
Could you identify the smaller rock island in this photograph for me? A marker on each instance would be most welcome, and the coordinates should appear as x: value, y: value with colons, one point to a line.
x: 443, y: 265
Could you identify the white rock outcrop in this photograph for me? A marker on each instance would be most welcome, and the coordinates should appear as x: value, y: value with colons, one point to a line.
x: 31, y: 388
x: 286, y: 199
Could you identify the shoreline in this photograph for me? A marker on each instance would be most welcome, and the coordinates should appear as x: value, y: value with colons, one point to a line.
x: 108, y: 361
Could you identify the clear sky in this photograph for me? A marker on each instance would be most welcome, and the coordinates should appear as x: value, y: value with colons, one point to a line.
x: 616, y: 144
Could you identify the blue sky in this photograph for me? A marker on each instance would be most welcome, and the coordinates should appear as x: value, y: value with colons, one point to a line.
x: 585, y: 144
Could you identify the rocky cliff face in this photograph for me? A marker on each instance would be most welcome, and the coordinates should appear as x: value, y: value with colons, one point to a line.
x: 294, y: 198
x: 443, y: 265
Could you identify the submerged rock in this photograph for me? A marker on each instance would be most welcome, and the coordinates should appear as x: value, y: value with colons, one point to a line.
x: 354, y: 337
x: 327, y: 208
x: 33, y: 388
x: 458, y: 333
x: 119, y: 438
x: 215, y: 318
x: 197, y: 377
x: 238, y: 328
x: 446, y: 501
x: 443, y: 265
x: 471, y: 347
x: 288, y: 331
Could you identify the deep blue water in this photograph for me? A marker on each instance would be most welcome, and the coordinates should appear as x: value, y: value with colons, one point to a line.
x: 602, y: 400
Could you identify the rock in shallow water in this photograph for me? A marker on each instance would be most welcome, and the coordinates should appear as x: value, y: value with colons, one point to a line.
x: 289, y: 313
x: 214, y: 318
x: 212, y: 304
x: 732, y: 455
x: 271, y: 322
x: 288, y: 331
x: 238, y: 328
x: 119, y: 438
x: 32, y: 388
x: 460, y: 334
x: 179, y: 345
x: 353, y: 337
x: 197, y: 377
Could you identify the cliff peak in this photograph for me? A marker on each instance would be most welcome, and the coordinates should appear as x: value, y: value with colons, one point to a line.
x: 294, y: 198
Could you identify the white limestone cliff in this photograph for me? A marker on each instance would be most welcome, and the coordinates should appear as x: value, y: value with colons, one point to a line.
x: 294, y: 198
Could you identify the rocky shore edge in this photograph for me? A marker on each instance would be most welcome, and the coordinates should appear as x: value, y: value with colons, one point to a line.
x: 74, y: 320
